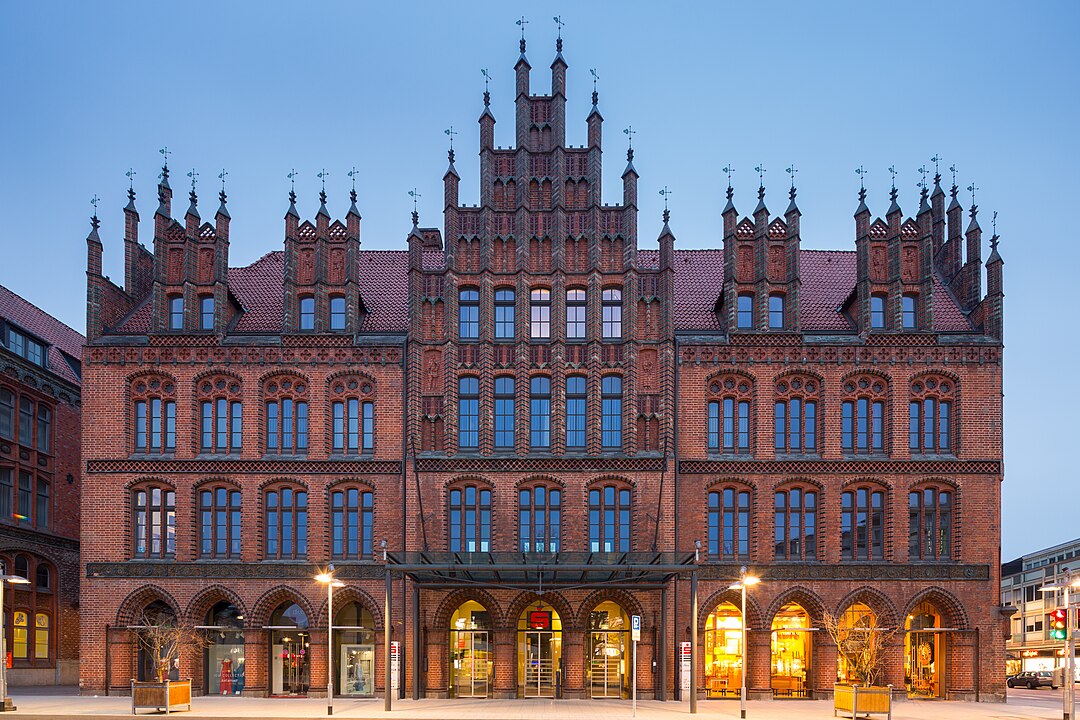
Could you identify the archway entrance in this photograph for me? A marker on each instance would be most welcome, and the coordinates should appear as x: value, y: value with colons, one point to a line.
x: 609, y: 636
x: 539, y: 651
x: 354, y: 651
x: 723, y: 652
x: 792, y: 640
x: 858, y: 618
x: 150, y: 659
x: 471, y: 667
x: 924, y: 646
x: 223, y: 660
x: 290, y: 649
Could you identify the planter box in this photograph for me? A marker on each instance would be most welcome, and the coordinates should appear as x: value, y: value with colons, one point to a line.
x: 164, y: 696
x: 855, y: 701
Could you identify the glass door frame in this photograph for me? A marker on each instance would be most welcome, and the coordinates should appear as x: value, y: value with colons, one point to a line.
x: 623, y: 637
x: 343, y: 668
x: 276, y: 657
x: 471, y: 636
x: 541, y: 636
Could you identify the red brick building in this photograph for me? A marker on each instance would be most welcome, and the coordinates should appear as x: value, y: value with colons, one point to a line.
x: 552, y: 430
x: 40, y: 407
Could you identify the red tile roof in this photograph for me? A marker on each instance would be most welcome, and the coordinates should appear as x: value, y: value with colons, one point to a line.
x: 37, y: 322
x: 828, y: 277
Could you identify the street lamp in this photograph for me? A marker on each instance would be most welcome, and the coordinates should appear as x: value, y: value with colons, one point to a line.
x: 1068, y: 700
x: 745, y: 581
x: 5, y: 701
x: 331, y: 582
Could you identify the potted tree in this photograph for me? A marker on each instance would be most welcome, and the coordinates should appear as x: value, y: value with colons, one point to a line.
x: 860, y: 644
x: 161, y: 635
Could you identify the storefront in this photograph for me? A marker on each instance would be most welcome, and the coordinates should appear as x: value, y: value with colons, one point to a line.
x: 539, y: 643
x: 290, y: 651
x: 792, y: 642
x: 223, y: 659
x: 924, y: 652
x: 354, y: 651
x: 858, y: 618
x: 471, y: 660
x: 723, y: 652
x: 609, y: 639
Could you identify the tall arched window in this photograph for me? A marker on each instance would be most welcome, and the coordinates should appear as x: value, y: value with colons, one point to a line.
x: 337, y: 312
x: 776, y: 311
x: 504, y: 314
x: 729, y: 399
x: 286, y: 415
x: 729, y: 524
x: 909, y: 315
x: 744, y: 313
x: 609, y: 519
x: 154, y: 408
x: 468, y: 314
x: 504, y: 412
x: 796, y: 414
x: 862, y: 523
x: 575, y: 314
x: 540, y: 314
x: 176, y: 312
x: 468, y: 413
x: 154, y: 521
x: 206, y: 312
x: 930, y: 419
x: 540, y: 413
x: 470, y: 519
x: 796, y: 524
x: 611, y: 421
x: 575, y: 412
x: 539, y: 519
x: 286, y: 523
x: 7, y: 413
x: 33, y: 609
x: 221, y: 415
x: 352, y: 413
x: 611, y: 308
x: 351, y: 518
x: 877, y: 312
x: 930, y: 524
x: 862, y: 417
x: 307, y: 313
x: 219, y: 523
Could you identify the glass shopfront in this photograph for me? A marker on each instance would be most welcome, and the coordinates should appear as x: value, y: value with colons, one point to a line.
x: 471, y: 664
x: 792, y: 640
x: 858, y: 618
x: 923, y: 652
x: 354, y: 648
x: 609, y: 637
x: 723, y: 652
x: 290, y: 651
x: 224, y: 655
x: 539, y: 651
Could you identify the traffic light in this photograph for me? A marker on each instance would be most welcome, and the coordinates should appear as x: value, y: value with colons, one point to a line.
x: 1057, y: 622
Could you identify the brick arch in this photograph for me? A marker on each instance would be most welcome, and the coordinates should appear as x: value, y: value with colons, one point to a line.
x: 864, y: 480
x: 731, y: 371
x: 799, y: 371
x: 218, y: 372
x: 721, y: 481
x: 540, y: 480
x: 351, y: 373
x: 937, y: 371
x: 807, y: 599
x: 275, y: 596
x: 953, y: 613
x: 866, y: 371
x: 614, y: 478
x: 215, y: 480
x: 138, y: 599
x: 282, y: 371
x: 344, y: 596
x: 149, y: 373
x: 346, y: 481
x: 799, y: 480
x: 754, y: 616
x: 155, y: 480
x: 466, y: 479
x: 527, y: 597
x: 287, y: 480
x: 440, y: 620
x: 623, y: 599
x: 934, y: 481
x: 879, y: 602
x: 207, y: 598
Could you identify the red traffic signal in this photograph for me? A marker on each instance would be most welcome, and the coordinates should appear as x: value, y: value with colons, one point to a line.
x: 1057, y: 622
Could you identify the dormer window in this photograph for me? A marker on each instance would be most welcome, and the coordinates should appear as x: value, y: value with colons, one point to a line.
x: 744, y: 316
x: 176, y: 312
x: 307, y: 313
x: 776, y: 312
x: 877, y: 312
x: 908, y: 316
x: 24, y: 347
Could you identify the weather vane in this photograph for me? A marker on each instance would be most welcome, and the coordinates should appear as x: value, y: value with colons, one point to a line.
x: 994, y: 221
x: 415, y: 196
x: 352, y: 176
x: 665, y: 192
x: 322, y: 175
x: 559, y: 23
x: 166, y: 152
x: 630, y: 132
x: 922, y: 183
x: 728, y: 170
x: 972, y: 189
x: 892, y: 171
x: 760, y: 170
x: 224, y: 174
x: 937, y: 170
x: 292, y: 179
x: 484, y: 72
x: 451, y: 132
x: 131, y: 178
x: 193, y: 175
x: 791, y: 170
x: 595, y: 77
x: 862, y: 172
x: 521, y: 24
x: 952, y: 169
x: 94, y: 201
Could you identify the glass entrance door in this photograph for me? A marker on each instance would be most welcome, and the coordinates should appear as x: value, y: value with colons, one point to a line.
x: 357, y: 674
x: 289, y: 666
x: 606, y: 665
x: 538, y: 669
x: 471, y: 663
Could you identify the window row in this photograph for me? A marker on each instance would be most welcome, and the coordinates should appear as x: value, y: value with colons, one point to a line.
x: 25, y: 498
x: 25, y: 420
x: 23, y: 345
x: 777, y: 312
x: 29, y: 608
x: 505, y: 414
x: 505, y: 307
x: 305, y: 317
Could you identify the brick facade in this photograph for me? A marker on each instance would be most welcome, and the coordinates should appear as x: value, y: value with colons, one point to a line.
x: 469, y: 348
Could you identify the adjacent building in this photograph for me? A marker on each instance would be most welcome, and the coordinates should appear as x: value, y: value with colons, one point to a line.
x: 526, y: 428
x: 40, y: 477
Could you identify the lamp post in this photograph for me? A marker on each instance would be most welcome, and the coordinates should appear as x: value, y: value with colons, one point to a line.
x: 331, y: 583
x: 745, y: 580
x: 14, y: 580
x: 1069, y: 680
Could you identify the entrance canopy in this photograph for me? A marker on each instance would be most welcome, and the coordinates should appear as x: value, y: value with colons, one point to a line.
x: 557, y: 571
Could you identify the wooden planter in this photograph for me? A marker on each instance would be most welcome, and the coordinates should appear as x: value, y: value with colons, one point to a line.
x: 167, y: 696
x: 854, y: 700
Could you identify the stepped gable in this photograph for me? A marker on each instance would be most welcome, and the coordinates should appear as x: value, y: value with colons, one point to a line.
x: 37, y: 322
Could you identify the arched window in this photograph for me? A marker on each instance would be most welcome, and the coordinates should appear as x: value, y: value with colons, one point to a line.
x: 796, y: 414
x: 286, y: 523
x: 877, y: 312
x: 862, y: 523
x: 219, y: 523
x: 729, y: 414
x: 504, y: 314
x: 286, y: 415
x: 744, y: 313
x: 468, y: 413
x: 575, y: 412
x: 539, y: 519
x: 337, y: 312
x: 351, y: 517
x: 796, y: 524
x: 729, y: 524
x: 862, y: 421
x: 44, y: 427
x: 352, y: 411
x: 540, y: 314
x: 776, y: 311
x: 540, y: 413
x: 43, y: 506
x: 930, y: 420
x: 909, y: 316
x: 176, y: 312
x: 221, y: 415
x: 33, y: 608
x: 307, y: 313
x: 7, y: 414
x: 154, y: 521
x: 611, y: 420
x: 206, y: 312
x: 468, y: 314
x: 930, y: 523
x: 611, y: 308
x: 470, y: 519
x: 575, y: 314
x: 504, y: 412
x: 609, y: 519
x: 154, y: 401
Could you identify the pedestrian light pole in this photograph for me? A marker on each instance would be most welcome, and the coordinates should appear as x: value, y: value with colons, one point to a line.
x: 1069, y: 679
x: 331, y: 582
x: 745, y: 581
x: 5, y: 701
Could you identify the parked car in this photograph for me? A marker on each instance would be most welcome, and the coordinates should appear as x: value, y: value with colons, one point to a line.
x: 1033, y: 679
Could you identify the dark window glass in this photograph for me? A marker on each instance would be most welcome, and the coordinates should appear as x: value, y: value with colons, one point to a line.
x: 575, y: 411
x: 504, y: 412
x: 930, y: 524
x: 862, y: 425
x: 470, y: 519
x: 352, y: 426
x: 611, y: 308
x: 540, y: 413
x: 286, y: 524
x: 539, y: 517
x: 745, y: 312
x: 908, y: 315
x: 929, y: 426
x: 155, y: 425
x: 26, y: 422
x: 7, y: 492
x: 609, y: 519
x: 337, y: 313
x: 206, y: 312
x: 796, y: 525
x: 286, y: 426
x: 729, y: 524
x: 176, y: 312
x: 795, y: 428
x: 731, y: 419
x: 877, y: 312
x: 221, y: 426
x: 611, y: 411
x: 7, y: 414
x: 862, y: 524
x: 219, y: 523
x: 468, y: 412
x: 575, y: 314
x: 776, y: 312
x: 504, y: 314
x: 468, y: 314
x: 24, y: 347
x: 351, y: 524
x: 43, y: 514
x: 540, y: 314
x: 307, y: 313
x: 154, y: 522
x: 44, y: 428
x: 714, y: 425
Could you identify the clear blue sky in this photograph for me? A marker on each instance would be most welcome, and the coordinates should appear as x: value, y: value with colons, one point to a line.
x: 92, y: 88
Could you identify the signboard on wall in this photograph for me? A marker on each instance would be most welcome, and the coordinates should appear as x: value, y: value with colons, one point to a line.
x: 395, y: 663
x: 540, y: 620
x: 684, y: 666
x: 635, y: 628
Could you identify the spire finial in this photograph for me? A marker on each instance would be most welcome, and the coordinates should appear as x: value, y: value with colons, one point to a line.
x: 165, y: 152
x: 451, y: 132
x: 94, y: 201
x: 629, y: 132
x: 760, y: 170
x: 924, y: 188
x: 993, y: 222
x: 322, y: 175
x: 558, y: 41
x: 352, y: 176
x: 130, y: 174
x: 728, y: 170
x: 521, y: 24
x: 415, y: 213
x: 974, y: 208
x: 862, y: 172
x: 792, y: 170
x: 923, y: 172
x: 292, y: 179
x: 221, y: 176
x: 892, y: 172
x: 665, y: 192
x: 194, y: 177
x: 952, y: 169
x: 937, y: 170
x: 595, y: 77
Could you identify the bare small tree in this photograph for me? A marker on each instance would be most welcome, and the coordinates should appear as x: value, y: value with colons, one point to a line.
x: 861, y: 644
x: 162, y: 635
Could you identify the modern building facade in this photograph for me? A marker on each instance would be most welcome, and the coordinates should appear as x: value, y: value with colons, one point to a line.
x: 525, y: 429
x: 40, y: 407
x: 1029, y: 646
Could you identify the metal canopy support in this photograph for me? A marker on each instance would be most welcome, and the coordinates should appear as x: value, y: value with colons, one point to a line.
x: 661, y: 650
x: 693, y: 642
x: 386, y: 647
x: 416, y: 642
